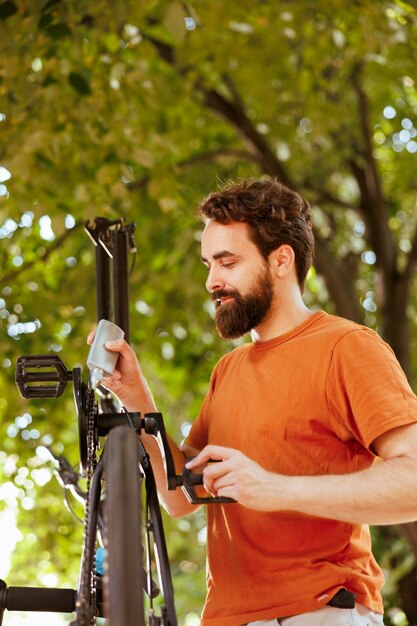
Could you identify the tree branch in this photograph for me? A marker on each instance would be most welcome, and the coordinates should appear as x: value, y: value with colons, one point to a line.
x: 233, y: 111
x: 322, y: 196
x: 372, y: 203
x: 202, y: 157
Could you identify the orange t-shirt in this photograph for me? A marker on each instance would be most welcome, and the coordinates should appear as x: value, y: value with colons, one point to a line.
x: 309, y: 402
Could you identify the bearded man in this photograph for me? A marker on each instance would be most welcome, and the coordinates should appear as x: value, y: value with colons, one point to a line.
x: 313, y: 423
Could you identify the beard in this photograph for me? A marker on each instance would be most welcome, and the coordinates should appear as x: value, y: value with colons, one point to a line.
x: 245, y: 312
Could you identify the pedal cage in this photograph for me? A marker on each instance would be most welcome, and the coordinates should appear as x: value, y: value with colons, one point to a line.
x: 41, y: 376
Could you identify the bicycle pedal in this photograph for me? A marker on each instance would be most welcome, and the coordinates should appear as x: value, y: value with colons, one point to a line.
x: 41, y: 376
x: 190, y: 481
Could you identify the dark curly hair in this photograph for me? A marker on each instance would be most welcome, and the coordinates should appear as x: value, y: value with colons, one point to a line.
x: 274, y: 213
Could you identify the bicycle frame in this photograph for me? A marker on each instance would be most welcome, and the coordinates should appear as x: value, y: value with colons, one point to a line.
x: 45, y: 376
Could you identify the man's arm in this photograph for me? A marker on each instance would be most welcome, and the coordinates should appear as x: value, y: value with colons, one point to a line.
x: 174, y: 502
x: 131, y: 387
x: 385, y: 493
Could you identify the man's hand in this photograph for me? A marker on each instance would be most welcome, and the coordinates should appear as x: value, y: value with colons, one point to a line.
x: 127, y: 380
x: 384, y: 493
x: 236, y: 476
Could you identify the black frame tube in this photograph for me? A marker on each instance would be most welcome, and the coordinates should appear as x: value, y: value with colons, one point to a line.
x: 157, y: 529
x: 103, y: 288
x: 121, y: 280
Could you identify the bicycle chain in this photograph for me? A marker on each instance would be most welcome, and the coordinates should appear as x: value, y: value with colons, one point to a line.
x: 86, y: 606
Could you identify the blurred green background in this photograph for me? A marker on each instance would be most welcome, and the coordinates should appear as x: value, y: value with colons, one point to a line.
x: 137, y: 110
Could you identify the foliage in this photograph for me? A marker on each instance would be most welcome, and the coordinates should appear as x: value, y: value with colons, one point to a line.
x: 137, y: 110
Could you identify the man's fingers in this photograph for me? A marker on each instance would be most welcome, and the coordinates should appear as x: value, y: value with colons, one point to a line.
x: 217, y: 475
x: 115, y: 345
x: 215, y: 470
x: 114, y: 378
x: 124, y: 349
x: 213, y: 453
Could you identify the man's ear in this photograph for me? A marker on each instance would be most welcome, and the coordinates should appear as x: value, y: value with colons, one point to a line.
x: 282, y: 261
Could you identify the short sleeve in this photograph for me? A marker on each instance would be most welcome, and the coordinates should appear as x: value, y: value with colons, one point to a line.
x: 367, y: 391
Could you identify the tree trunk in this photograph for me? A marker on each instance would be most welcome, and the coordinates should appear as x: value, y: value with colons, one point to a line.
x: 396, y: 324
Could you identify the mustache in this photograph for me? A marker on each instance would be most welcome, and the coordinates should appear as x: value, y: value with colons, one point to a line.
x: 222, y: 293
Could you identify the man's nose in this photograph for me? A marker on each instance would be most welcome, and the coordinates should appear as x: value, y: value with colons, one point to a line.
x: 214, y: 280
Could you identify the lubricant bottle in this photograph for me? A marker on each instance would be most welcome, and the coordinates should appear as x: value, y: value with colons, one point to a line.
x: 101, y: 361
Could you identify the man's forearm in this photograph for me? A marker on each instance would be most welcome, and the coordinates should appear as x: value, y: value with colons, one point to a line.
x: 385, y: 493
x: 175, y: 501
x: 139, y: 398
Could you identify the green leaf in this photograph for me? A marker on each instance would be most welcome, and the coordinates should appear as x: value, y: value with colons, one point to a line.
x: 43, y: 159
x: 45, y: 21
x: 59, y: 30
x: 79, y: 83
x: 111, y: 41
x: 48, y: 80
x: 7, y: 9
x: 49, y: 5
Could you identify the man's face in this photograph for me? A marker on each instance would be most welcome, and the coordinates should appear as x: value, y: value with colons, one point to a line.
x: 239, y: 278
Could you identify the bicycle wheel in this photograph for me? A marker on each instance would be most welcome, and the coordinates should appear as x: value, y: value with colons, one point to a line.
x: 123, y: 579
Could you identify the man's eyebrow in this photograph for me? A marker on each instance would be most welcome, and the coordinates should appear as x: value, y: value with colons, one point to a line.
x: 219, y: 255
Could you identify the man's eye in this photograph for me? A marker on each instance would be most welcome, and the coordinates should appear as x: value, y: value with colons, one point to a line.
x: 228, y: 265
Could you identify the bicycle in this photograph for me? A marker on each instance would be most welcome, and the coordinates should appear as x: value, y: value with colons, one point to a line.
x: 113, y: 511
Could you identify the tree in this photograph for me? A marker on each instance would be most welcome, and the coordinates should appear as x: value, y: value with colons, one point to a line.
x: 137, y: 111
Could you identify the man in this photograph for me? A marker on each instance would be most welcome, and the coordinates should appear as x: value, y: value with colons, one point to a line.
x: 314, y: 425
